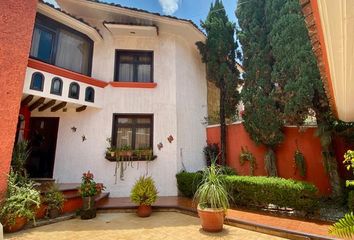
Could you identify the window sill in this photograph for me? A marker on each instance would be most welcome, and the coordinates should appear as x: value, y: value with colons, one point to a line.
x: 132, y: 159
x: 133, y: 85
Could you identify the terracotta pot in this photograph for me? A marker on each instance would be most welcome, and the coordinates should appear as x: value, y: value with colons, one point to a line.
x: 88, y: 203
x: 212, y: 220
x: 53, y: 213
x: 88, y: 210
x: 20, y: 222
x: 144, y: 211
x: 41, y: 211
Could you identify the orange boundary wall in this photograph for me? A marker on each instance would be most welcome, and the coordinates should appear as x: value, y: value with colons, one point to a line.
x: 16, y: 27
x: 308, y: 144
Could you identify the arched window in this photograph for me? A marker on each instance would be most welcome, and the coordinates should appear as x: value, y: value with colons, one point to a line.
x: 90, y: 94
x: 74, y: 90
x: 37, y: 81
x: 57, y: 86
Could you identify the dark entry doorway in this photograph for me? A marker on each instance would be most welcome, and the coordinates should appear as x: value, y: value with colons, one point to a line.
x: 43, y: 141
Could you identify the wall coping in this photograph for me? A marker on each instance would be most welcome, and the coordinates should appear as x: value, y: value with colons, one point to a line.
x: 241, y: 122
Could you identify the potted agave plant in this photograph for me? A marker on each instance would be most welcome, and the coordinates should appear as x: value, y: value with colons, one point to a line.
x: 89, y: 189
x: 213, y: 199
x: 20, y: 203
x: 144, y: 193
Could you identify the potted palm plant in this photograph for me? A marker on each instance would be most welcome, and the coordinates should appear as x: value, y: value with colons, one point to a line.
x: 20, y: 203
x: 89, y: 189
x: 144, y: 193
x: 213, y: 199
x: 54, y: 200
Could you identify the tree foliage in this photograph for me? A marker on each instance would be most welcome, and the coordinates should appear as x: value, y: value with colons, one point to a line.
x: 219, y: 54
x: 282, y: 84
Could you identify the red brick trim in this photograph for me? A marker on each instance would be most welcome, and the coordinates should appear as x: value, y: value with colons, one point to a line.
x: 132, y: 85
x: 313, y: 23
x: 65, y: 73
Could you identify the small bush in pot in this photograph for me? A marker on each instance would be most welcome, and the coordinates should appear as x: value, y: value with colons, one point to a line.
x: 20, y: 203
x: 54, y: 200
x: 213, y: 199
x: 89, y: 189
x: 144, y: 193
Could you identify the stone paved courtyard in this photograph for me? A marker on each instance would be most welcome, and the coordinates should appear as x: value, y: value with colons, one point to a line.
x: 161, y: 225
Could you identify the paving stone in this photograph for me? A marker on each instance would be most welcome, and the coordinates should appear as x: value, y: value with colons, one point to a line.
x: 127, y: 226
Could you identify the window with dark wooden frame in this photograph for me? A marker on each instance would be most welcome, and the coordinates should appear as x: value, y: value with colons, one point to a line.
x: 134, y: 66
x: 37, y: 81
x: 59, y: 45
x: 134, y: 131
x: 57, y: 86
x: 74, y: 90
x: 89, y: 94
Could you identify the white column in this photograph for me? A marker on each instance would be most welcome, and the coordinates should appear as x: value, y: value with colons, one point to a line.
x: 1, y: 233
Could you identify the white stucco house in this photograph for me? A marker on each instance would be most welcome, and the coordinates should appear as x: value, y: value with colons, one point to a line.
x: 98, y: 71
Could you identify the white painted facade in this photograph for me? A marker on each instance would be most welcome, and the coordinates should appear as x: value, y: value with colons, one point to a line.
x: 178, y: 104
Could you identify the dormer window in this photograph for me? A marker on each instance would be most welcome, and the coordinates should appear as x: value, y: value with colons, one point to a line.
x: 37, y: 81
x: 89, y: 94
x: 74, y: 90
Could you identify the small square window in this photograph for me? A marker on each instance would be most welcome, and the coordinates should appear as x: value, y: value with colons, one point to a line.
x: 134, y: 131
x: 134, y: 66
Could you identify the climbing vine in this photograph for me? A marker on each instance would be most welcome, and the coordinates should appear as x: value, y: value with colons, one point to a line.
x: 300, y: 163
x: 245, y: 156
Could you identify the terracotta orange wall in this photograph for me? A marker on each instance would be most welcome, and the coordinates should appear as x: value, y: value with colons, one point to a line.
x: 16, y: 27
x: 308, y: 144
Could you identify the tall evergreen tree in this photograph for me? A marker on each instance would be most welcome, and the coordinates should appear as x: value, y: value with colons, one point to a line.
x: 296, y: 89
x: 262, y: 117
x: 219, y: 54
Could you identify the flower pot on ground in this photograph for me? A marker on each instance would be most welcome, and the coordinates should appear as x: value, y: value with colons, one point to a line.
x: 213, y: 199
x: 89, y: 189
x: 54, y: 199
x: 41, y: 211
x: 19, y: 204
x: 16, y: 225
x: 144, y: 193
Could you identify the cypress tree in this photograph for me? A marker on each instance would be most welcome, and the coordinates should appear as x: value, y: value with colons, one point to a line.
x: 295, y: 87
x: 262, y: 117
x: 219, y: 54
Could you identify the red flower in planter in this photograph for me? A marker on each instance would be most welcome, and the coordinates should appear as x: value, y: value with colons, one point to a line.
x: 89, y: 187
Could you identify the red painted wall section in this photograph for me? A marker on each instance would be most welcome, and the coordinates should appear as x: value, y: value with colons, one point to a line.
x: 16, y: 27
x: 26, y: 113
x: 308, y: 144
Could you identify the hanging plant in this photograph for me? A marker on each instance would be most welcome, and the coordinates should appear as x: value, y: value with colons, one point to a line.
x: 246, y: 155
x: 270, y: 164
x: 300, y: 163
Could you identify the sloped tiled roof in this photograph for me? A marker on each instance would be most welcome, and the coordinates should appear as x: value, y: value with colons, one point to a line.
x: 153, y: 13
x: 70, y: 15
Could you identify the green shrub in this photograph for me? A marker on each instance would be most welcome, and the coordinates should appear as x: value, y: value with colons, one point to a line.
x: 22, y: 200
x: 351, y: 200
x: 53, y: 198
x: 188, y: 183
x: 262, y: 191
x: 225, y: 170
x: 258, y: 191
x: 144, y: 191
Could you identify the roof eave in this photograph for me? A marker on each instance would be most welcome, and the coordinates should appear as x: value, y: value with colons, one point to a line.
x: 66, y: 19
